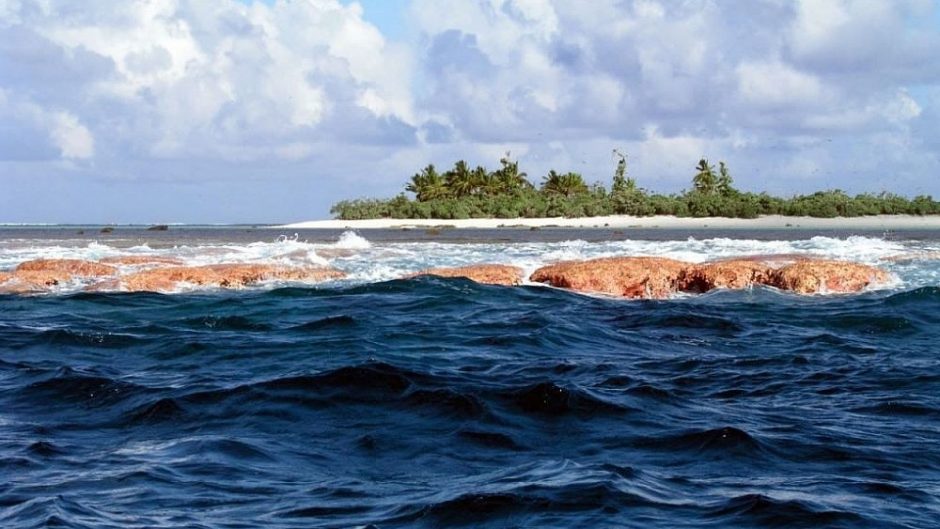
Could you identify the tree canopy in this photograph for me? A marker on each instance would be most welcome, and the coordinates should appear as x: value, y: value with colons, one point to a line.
x: 465, y: 192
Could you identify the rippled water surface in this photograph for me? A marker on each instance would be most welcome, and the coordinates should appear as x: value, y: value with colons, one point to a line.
x: 432, y: 403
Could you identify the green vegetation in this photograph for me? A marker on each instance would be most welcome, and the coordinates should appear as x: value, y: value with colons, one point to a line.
x: 462, y: 192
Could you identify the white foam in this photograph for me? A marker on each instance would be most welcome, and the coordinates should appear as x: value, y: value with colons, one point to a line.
x: 284, y: 250
x: 350, y: 240
x: 365, y: 262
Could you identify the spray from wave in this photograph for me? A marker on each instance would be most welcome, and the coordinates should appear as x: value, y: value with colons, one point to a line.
x: 364, y: 261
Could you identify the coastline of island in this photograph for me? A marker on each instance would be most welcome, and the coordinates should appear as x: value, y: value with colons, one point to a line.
x: 870, y: 222
x: 483, y: 199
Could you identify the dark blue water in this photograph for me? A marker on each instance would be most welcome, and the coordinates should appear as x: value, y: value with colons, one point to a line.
x: 436, y: 403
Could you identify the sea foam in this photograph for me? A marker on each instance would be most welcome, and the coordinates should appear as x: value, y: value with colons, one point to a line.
x: 366, y: 261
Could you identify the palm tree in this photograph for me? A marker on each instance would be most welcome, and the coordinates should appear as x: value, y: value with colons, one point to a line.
x: 509, y: 177
x: 724, y: 181
x: 574, y: 184
x: 567, y: 185
x: 704, y: 180
x: 551, y: 183
x: 459, y: 180
x: 427, y: 185
x: 621, y: 183
x: 484, y: 182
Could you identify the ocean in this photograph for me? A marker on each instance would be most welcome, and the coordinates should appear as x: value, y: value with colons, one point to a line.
x: 381, y: 402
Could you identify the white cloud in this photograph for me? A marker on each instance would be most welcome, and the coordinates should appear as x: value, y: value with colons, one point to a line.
x: 539, y: 14
x: 774, y: 84
x: 844, y: 37
x: 72, y: 138
x: 902, y: 108
x: 224, y: 79
x: 138, y: 31
x: 817, y: 84
x: 782, y: 90
x: 57, y: 129
x: 816, y: 23
x: 668, y: 159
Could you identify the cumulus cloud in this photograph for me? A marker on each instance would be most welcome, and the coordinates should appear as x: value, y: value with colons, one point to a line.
x: 71, y: 137
x: 750, y: 83
x: 247, y: 92
x: 841, y: 37
x: 774, y: 84
x: 34, y: 132
x: 219, y: 79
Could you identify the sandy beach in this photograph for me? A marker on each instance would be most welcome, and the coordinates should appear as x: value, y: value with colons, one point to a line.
x: 879, y: 222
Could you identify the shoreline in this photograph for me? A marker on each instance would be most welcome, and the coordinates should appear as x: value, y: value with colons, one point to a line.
x: 875, y: 222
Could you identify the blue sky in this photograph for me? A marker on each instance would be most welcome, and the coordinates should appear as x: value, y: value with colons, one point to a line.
x: 249, y: 111
x: 390, y: 16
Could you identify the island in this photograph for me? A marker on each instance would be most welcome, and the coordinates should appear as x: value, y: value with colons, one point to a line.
x: 463, y: 192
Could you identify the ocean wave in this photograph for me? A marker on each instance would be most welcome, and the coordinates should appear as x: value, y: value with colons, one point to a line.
x: 350, y: 240
x: 720, y: 442
x: 524, y: 505
x: 766, y: 511
x: 366, y: 261
x: 71, y: 388
x: 550, y: 400
x: 433, y: 402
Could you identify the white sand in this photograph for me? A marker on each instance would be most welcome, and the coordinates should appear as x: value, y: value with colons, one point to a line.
x: 880, y: 222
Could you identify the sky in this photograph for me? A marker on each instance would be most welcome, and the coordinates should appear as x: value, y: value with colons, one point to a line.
x: 250, y: 111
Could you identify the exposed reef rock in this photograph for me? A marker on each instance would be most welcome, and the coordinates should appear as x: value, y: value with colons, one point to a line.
x: 70, y: 267
x: 8, y: 284
x: 222, y: 276
x: 49, y: 272
x: 490, y: 274
x: 40, y: 275
x: 631, y: 277
x: 658, y: 278
x: 773, y: 260
x: 737, y: 273
x: 822, y: 277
